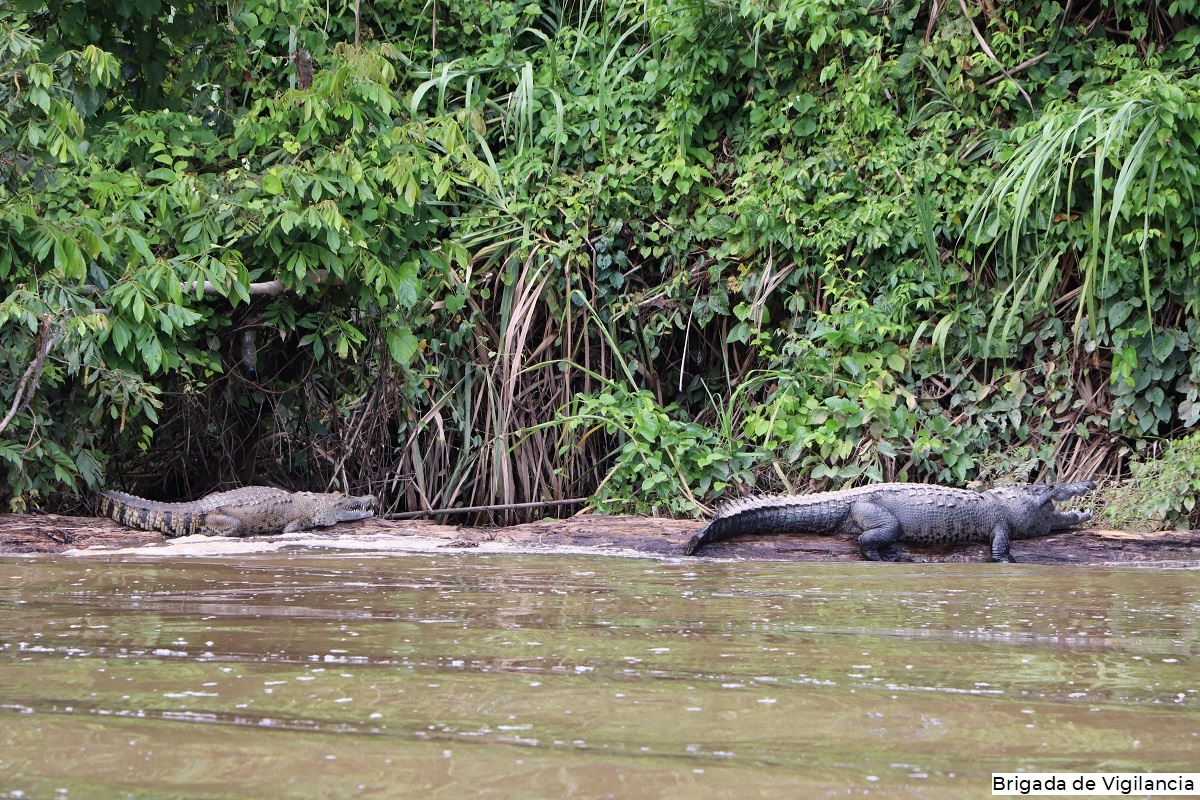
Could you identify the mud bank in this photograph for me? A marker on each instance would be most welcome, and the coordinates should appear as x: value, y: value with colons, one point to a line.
x: 614, y: 535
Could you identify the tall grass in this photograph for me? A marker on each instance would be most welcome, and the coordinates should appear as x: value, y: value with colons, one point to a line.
x: 1079, y: 161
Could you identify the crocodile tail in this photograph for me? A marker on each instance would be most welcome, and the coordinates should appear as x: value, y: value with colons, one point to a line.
x: 766, y: 515
x: 120, y: 507
x: 705, y: 535
x: 148, y: 515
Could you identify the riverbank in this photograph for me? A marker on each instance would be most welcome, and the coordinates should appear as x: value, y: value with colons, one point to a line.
x: 593, y: 533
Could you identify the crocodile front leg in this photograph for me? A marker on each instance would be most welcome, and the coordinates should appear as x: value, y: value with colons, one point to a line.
x: 1001, y: 539
x: 880, y: 531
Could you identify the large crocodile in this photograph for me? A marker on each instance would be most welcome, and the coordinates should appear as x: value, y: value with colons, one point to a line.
x: 886, y: 513
x: 239, y: 512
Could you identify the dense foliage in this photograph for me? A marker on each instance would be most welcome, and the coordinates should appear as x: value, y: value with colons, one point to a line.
x: 468, y: 253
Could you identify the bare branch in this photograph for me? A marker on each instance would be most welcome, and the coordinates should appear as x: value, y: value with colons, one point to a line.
x: 474, y: 509
x: 1023, y: 65
x: 987, y: 49
x: 33, y: 374
x: 260, y: 289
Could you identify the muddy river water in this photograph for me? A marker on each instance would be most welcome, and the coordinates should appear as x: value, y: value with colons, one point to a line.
x: 515, y: 676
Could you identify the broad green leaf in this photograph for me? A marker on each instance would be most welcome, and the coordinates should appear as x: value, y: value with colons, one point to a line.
x: 408, y: 284
x: 402, y: 345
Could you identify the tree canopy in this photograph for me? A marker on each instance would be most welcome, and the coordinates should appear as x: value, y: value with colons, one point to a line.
x: 655, y: 253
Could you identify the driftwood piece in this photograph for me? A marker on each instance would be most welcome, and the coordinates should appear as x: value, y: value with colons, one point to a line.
x: 51, y: 533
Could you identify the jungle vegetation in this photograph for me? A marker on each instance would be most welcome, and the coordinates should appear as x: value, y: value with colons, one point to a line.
x: 654, y: 253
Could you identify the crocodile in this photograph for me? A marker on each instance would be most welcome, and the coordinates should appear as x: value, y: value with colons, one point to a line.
x: 886, y: 513
x: 238, y: 512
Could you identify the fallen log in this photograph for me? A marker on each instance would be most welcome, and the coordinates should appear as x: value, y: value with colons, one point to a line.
x: 51, y: 533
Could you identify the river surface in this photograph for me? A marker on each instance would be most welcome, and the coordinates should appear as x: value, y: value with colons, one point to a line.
x: 502, y: 676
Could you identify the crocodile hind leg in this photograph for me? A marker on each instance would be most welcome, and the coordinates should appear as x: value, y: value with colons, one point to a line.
x: 218, y: 524
x: 880, y: 531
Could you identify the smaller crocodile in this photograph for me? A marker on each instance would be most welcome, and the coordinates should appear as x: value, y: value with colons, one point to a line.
x: 883, y: 514
x: 238, y: 512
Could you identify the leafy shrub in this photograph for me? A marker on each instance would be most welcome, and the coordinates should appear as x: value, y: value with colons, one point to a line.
x: 816, y: 243
x: 1162, y: 492
x: 664, y: 464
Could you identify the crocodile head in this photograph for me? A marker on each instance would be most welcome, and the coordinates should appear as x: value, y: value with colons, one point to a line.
x: 334, y: 507
x: 1031, y: 510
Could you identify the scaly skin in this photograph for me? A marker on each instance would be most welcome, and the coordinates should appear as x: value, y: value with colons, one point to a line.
x: 886, y: 513
x: 240, y: 512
